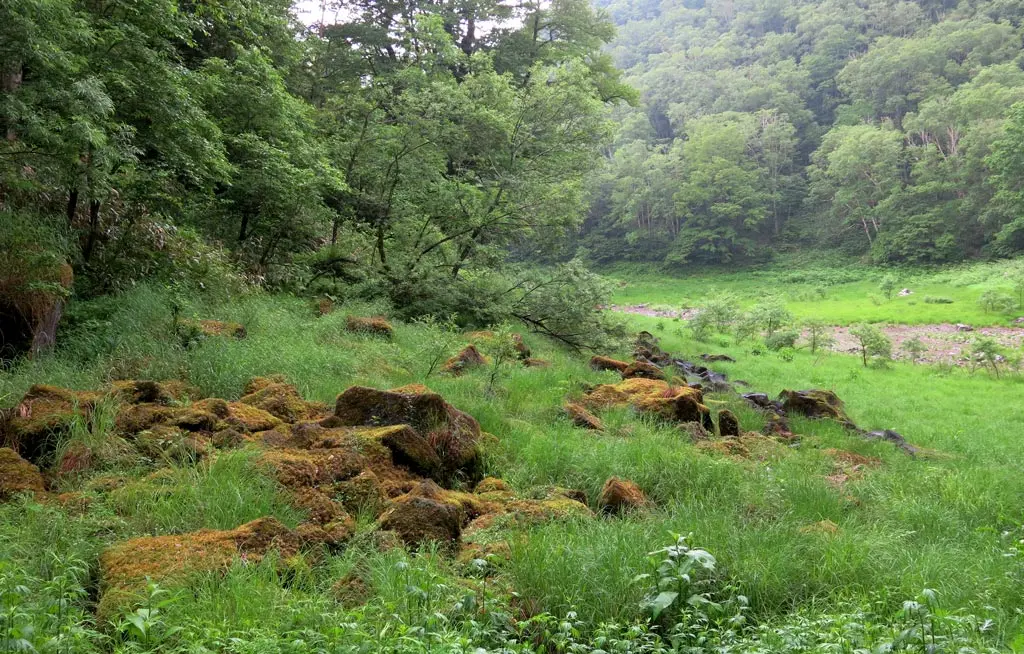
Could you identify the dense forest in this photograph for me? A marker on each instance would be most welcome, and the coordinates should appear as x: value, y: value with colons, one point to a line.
x: 395, y: 155
x: 885, y: 128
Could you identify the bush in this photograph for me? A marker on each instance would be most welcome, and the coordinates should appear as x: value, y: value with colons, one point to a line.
x: 928, y: 299
x: 914, y: 348
x: 770, y: 315
x: 873, y: 344
x: 782, y: 339
x: 888, y: 286
x: 996, y: 302
x: 722, y: 311
x: 819, y: 334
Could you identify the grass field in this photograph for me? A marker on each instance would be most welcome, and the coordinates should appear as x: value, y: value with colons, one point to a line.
x: 825, y: 565
x: 841, y: 293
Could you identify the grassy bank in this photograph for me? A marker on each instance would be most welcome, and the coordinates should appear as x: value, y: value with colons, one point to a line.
x: 802, y: 544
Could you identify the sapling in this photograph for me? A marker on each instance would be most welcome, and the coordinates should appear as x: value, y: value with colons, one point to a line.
x: 873, y: 344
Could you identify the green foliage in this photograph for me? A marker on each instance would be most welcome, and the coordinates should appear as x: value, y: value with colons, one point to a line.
x: 819, y: 334
x: 931, y: 299
x: 872, y: 343
x: 888, y: 286
x: 914, y: 348
x: 783, y: 339
x: 993, y: 301
x: 886, y: 129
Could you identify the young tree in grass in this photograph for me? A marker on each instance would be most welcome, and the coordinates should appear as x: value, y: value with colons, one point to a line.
x: 771, y: 314
x: 914, y: 348
x: 819, y: 334
x: 888, y: 286
x: 987, y: 353
x: 872, y: 343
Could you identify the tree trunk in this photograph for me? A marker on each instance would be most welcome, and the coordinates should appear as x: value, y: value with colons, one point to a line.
x: 72, y: 205
x: 10, y: 81
x: 94, y: 229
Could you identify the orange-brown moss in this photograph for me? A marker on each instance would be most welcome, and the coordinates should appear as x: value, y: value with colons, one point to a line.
x: 582, y: 418
x: 607, y: 363
x: 621, y: 496
x: 248, y: 418
x: 376, y: 326
x: 215, y: 328
x: 468, y: 358
x: 522, y: 350
x: 530, y: 362
x: 18, y: 475
x: 281, y: 400
x: 125, y: 567
x: 44, y: 414
x: 362, y: 493
x: 675, y: 403
x: 643, y: 370
x: 298, y: 468
x: 137, y: 391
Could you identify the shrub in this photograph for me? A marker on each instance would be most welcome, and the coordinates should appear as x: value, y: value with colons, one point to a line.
x: 782, y: 339
x: 996, y: 302
x: 914, y: 348
x: 722, y: 311
x: 888, y: 286
x: 873, y: 344
x: 928, y: 299
x: 819, y: 334
x: 771, y: 315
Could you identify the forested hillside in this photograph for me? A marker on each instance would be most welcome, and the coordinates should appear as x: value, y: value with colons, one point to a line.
x: 396, y: 155
x: 886, y: 128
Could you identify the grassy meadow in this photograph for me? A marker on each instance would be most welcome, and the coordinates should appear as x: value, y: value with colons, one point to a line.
x: 840, y: 294
x: 821, y: 560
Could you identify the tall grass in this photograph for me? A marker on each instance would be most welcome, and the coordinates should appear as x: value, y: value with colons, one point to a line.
x: 947, y: 519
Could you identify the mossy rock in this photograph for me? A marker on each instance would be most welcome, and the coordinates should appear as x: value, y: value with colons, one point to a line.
x: 374, y: 326
x: 280, y: 400
x: 653, y: 396
x: 816, y: 404
x: 140, y: 391
x: 468, y: 358
x: 581, y: 417
x: 607, y: 363
x: 620, y: 496
x: 643, y: 370
x: 453, y: 435
x: 728, y: 424
x: 45, y: 414
x: 126, y: 567
x: 18, y: 475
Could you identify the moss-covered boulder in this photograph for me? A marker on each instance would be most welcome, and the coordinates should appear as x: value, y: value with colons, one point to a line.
x: 815, y: 404
x: 728, y: 424
x: 45, y: 414
x: 620, y: 496
x: 643, y: 370
x: 653, y: 396
x: 468, y: 358
x: 607, y: 363
x: 142, y: 391
x: 453, y: 435
x: 18, y: 475
x: 425, y: 514
x: 214, y: 328
x: 581, y: 417
x: 281, y: 400
x: 374, y: 326
x: 126, y: 567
